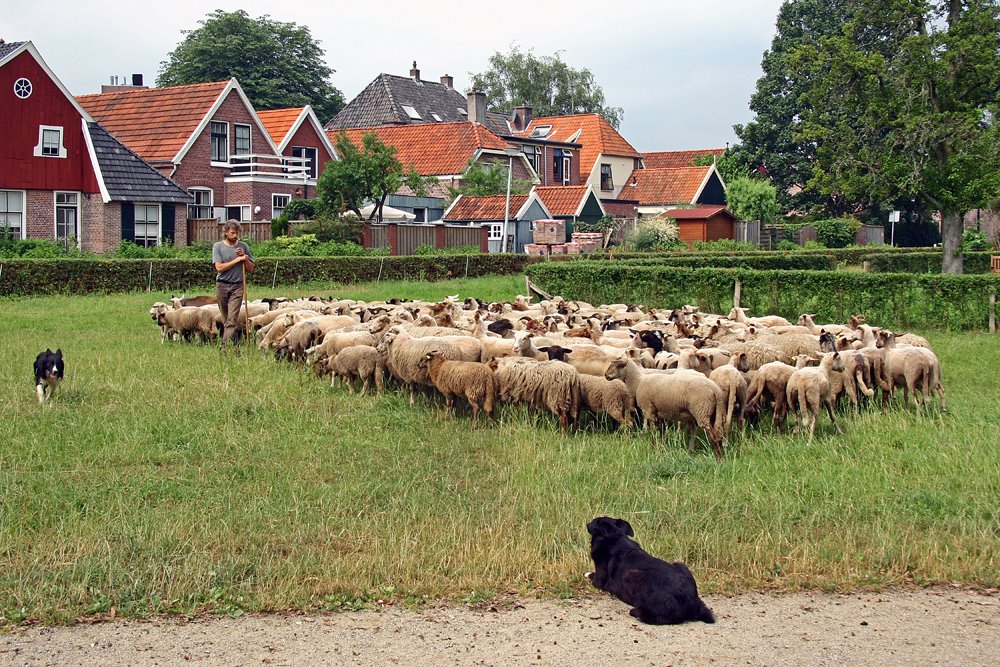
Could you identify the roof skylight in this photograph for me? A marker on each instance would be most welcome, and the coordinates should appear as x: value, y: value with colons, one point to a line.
x: 411, y: 112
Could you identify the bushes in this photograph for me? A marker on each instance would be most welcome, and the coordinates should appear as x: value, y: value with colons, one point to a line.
x: 36, y: 248
x: 836, y: 232
x: 425, y: 250
x: 894, y: 300
x: 327, y: 228
x: 656, y: 234
x: 926, y: 262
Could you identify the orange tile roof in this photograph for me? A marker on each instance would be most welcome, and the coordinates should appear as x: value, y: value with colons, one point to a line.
x: 674, y: 159
x: 432, y: 149
x: 597, y: 137
x: 155, y: 123
x: 664, y: 186
x: 697, y: 213
x: 485, y: 207
x: 561, y: 199
x: 278, y: 122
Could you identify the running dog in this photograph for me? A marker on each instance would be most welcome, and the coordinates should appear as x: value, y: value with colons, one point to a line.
x: 49, y: 370
x: 660, y: 593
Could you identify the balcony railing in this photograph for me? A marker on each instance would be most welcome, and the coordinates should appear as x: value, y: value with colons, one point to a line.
x: 270, y: 166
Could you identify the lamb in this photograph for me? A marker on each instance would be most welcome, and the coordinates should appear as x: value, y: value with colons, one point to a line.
x: 769, y: 383
x: 912, y: 368
x: 730, y: 379
x: 550, y: 385
x: 361, y: 361
x: 809, y: 390
x: 188, y: 322
x: 600, y: 395
x: 403, y: 353
x: 853, y: 378
x: 335, y: 341
x: 688, y: 397
x: 473, y: 381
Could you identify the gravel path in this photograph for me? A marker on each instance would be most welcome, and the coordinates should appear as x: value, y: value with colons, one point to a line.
x: 942, y: 626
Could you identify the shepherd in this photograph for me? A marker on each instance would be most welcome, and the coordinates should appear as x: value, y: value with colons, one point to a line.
x: 233, y: 260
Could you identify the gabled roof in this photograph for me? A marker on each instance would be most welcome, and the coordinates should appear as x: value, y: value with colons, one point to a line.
x: 565, y: 200
x: 681, y: 185
x: 382, y: 102
x: 594, y: 133
x: 491, y: 208
x: 10, y: 51
x: 674, y: 159
x: 282, y: 124
x: 161, y: 124
x: 123, y: 175
x: 697, y: 213
x: 439, y: 149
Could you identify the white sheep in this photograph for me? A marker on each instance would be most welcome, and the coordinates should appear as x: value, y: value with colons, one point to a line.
x: 769, y: 384
x: 609, y: 397
x: 809, y: 389
x: 547, y: 385
x: 358, y: 361
x: 687, y: 397
x: 912, y: 368
x: 734, y: 386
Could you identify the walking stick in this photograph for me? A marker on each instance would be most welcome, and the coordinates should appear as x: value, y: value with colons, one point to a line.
x: 246, y: 307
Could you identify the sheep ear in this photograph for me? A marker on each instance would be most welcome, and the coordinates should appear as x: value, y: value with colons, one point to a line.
x: 544, y: 349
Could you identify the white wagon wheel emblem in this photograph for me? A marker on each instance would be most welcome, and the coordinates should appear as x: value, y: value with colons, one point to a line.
x: 22, y: 88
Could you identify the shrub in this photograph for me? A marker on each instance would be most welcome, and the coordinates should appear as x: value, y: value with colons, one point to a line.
x: 785, y: 244
x: 724, y: 245
x: 461, y: 250
x: 279, y: 226
x: 752, y: 199
x: 331, y: 228
x: 36, y: 248
x: 973, y: 239
x: 836, y: 232
x: 300, y: 208
x: 605, y: 224
x: 656, y: 234
x: 815, y: 245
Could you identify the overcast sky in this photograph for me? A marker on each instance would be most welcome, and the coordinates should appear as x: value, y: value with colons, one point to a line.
x: 683, y: 70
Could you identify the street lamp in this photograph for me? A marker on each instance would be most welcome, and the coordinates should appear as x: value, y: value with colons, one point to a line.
x: 511, y: 153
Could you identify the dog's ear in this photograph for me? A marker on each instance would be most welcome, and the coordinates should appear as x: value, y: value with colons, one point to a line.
x: 59, y: 352
x: 625, y: 527
x: 48, y: 350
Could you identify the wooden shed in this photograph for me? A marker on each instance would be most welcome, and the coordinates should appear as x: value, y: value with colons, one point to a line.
x: 704, y: 223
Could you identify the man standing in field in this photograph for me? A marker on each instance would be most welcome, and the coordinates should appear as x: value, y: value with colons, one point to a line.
x: 231, y: 258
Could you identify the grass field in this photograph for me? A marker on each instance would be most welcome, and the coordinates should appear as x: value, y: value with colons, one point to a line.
x: 168, y: 479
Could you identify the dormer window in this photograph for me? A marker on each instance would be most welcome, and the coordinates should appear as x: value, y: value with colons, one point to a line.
x: 50, y: 142
x: 540, y: 132
x: 411, y: 112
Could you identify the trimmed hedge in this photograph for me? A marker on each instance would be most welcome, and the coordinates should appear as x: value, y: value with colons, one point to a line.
x: 896, y: 300
x: 798, y: 261
x: 85, y: 276
x: 927, y: 262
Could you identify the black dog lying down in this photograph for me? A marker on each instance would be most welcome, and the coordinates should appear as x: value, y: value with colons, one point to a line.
x: 660, y: 593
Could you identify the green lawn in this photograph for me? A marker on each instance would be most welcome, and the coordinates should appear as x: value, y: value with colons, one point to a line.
x: 166, y: 479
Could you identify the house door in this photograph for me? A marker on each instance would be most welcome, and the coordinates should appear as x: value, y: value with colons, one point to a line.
x: 68, y: 219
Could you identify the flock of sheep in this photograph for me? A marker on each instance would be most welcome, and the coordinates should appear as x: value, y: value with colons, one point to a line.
x: 570, y: 357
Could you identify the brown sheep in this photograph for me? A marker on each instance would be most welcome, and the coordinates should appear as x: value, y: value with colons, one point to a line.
x: 473, y: 381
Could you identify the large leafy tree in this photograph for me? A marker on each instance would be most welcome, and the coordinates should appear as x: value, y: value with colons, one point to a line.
x: 904, y: 104
x: 364, y: 174
x: 546, y: 84
x: 488, y: 179
x: 768, y: 143
x: 279, y: 65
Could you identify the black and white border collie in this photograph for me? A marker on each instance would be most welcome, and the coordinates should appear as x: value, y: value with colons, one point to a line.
x: 49, y: 370
x: 660, y: 593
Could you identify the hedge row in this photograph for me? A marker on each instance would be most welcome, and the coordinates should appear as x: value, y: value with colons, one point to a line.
x: 888, y: 299
x: 84, y: 276
x: 927, y: 262
x: 797, y: 261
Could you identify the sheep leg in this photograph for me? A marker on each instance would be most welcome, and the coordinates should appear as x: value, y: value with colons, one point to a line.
x: 475, y: 411
x: 692, y: 432
x: 829, y: 411
x: 449, y: 402
x: 716, y: 439
x: 364, y: 385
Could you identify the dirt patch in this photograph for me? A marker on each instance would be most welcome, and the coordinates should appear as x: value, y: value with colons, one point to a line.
x: 935, y: 626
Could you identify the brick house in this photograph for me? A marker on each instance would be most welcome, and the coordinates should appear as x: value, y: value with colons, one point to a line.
x: 208, y: 138
x: 63, y: 176
x: 659, y: 190
x: 443, y: 151
x: 298, y: 134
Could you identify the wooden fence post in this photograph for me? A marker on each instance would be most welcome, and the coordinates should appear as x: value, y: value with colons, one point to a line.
x: 737, y: 293
x: 993, y: 311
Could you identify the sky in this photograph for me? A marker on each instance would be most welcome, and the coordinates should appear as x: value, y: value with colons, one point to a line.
x: 682, y: 70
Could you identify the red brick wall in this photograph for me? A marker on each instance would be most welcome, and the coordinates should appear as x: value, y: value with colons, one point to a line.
x: 306, y: 136
x: 40, y: 214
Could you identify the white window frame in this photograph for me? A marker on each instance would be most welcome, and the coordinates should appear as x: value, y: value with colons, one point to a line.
x: 158, y: 239
x: 611, y: 177
x: 278, y: 211
x: 39, y: 149
x: 211, y: 142
x: 244, y: 212
x: 566, y: 166
x: 236, y: 145
x: 420, y: 208
x: 534, y: 155
x: 22, y: 228
x: 496, y: 231
x: 57, y: 206
x: 210, y: 206
x: 314, y: 159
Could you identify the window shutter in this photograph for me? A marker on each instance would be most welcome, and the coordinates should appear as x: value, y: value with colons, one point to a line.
x: 167, y: 227
x: 128, y: 221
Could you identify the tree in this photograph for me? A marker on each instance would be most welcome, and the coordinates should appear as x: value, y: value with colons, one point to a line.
x: 368, y: 173
x: 752, y: 199
x: 491, y: 179
x: 278, y: 65
x: 546, y: 84
x: 905, y: 103
x: 768, y: 142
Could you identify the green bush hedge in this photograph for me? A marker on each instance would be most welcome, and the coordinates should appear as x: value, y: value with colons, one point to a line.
x: 926, y: 262
x: 798, y: 261
x: 888, y: 299
x: 21, y: 277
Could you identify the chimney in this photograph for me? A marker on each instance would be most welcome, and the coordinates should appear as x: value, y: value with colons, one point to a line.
x: 477, y: 107
x: 522, y: 118
x: 448, y: 81
x: 414, y: 72
x: 137, y: 80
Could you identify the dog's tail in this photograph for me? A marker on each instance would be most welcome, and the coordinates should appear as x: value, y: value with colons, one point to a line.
x: 704, y: 613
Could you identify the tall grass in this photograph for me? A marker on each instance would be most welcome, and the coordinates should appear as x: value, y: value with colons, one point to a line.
x: 167, y: 478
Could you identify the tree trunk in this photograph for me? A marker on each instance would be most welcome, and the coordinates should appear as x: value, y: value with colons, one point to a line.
x: 951, y: 237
